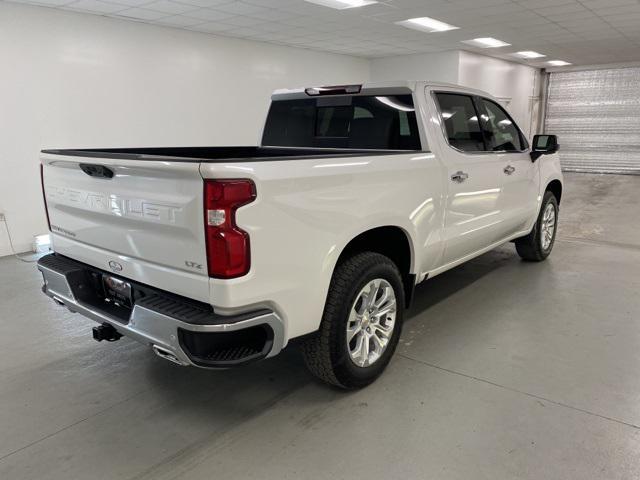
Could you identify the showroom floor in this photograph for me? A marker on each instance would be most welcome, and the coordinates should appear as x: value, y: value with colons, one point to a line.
x: 505, y: 370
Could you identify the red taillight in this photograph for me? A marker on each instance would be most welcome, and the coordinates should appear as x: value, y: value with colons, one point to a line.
x: 44, y: 197
x: 228, y: 253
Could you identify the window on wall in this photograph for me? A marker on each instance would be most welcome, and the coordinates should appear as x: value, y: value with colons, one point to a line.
x: 502, y: 132
x: 461, y: 122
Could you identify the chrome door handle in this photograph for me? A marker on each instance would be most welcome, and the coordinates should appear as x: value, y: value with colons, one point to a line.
x: 459, y: 176
x: 508, y: 170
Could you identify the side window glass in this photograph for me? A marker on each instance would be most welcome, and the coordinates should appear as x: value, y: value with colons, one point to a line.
x: 502, y: 132
x: 461, y: 122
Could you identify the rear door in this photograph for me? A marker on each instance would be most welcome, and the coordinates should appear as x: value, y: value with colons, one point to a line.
x: 519, y: 199
x: 473, y: 216
x: 141, y: 219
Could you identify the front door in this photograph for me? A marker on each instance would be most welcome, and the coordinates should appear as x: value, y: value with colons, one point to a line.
x: 519, y: 200
x: 473, y: 217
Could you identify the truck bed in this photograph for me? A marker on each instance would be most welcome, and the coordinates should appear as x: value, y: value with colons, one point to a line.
x: 217, y: 154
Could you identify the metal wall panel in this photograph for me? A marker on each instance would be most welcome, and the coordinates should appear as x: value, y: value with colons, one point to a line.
x: 596, y: 115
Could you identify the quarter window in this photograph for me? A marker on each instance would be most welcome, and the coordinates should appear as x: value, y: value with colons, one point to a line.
x: 461, y: 122
x: 502, y: 132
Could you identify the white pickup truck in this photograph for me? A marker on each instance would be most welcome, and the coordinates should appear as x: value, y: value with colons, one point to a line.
x: 221, y: 256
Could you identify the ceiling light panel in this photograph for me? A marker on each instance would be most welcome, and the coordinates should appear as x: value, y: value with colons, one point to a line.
x: 529, y: 54
x: 558, y: 63
x: 486, y: 42
x: 342, y: 4
x: 426, y: 24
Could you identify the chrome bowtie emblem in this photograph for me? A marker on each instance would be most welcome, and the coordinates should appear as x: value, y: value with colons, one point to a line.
x: 115, y: 266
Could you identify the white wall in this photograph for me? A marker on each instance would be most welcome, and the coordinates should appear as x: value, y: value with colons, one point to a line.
x: 437, y: 67
x: 75, y: 80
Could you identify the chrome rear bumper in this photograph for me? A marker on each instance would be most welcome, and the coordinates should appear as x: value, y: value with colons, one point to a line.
x: 174, y: 330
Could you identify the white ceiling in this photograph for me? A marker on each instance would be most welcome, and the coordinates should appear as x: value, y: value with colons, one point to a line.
x: 578, y: 31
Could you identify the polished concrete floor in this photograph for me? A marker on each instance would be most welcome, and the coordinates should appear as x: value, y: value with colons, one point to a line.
x: 506, y: 370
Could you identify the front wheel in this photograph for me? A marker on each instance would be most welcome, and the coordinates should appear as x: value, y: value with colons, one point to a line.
x: 361, y: 323
x: 537, y: 246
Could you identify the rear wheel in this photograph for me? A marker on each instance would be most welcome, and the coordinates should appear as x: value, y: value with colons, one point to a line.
x: 361, y: 324
x: 538, y: 244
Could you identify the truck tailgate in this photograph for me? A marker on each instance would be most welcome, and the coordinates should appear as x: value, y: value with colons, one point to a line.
x: 141, y: 219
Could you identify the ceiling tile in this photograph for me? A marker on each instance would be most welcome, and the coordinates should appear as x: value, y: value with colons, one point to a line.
x: 208, y: 14
x: 243, y: 21
x: 169, y: 7
x: 273, y: 3
x: 46, y: 3
x: 141, y: 14
x: 545, y: 3
x: 212, y: 27
x: 273, y: 14
x: 204, y: 3
x: 595, y: 4
x: 129, y: 3
x: 95, y: 6
x: 618, y: 10
x: 552, y: 11
x: 178, y: 21
x: 240, y: 8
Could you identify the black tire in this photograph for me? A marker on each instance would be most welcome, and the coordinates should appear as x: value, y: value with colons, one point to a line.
x: 530, y: 248
x: 326, y: 353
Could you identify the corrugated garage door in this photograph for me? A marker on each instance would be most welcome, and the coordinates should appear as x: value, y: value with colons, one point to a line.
x: 596, y: 115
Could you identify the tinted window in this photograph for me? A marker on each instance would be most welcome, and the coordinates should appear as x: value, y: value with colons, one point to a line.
x: 360, y: 122
x: 461, y: 122
x: 502, y: 132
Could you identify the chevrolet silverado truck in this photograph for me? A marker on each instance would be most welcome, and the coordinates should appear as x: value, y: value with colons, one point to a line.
x: 221, y: 256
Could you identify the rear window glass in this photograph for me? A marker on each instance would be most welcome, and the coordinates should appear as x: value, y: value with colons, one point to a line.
x: 359, y: 122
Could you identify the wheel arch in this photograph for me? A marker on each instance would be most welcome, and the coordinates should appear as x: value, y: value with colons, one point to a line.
x: 393, y: 242
x: 555, y: 187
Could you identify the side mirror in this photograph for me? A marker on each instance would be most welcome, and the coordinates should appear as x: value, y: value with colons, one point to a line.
x: 544, y: 145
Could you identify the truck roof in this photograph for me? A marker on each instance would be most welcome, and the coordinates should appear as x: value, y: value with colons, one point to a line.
x: 395, y: 87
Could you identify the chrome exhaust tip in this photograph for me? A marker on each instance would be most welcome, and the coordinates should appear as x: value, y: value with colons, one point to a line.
x: 167, y: 355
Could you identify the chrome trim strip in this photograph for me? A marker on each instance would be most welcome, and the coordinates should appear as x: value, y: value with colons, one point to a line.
x: 153, y: 328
